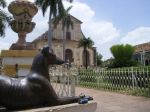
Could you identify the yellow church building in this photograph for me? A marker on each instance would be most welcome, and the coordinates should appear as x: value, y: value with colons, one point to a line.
x: 73, y: 53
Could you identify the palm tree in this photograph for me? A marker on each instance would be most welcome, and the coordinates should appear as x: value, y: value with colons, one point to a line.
x: 56, y: 8
x: 86, y: 43
x: 99, y: 59
x: 66, y: 23
x: 4, y: 18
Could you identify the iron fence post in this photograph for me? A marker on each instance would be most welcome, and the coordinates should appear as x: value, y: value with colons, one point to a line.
x: 133, y: 78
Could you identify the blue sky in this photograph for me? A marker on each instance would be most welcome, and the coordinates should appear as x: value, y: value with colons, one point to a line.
x: 125, y: 14
x: 107, y: 22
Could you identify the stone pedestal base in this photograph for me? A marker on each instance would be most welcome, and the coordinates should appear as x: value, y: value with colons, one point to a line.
x: 17, y: 62
x: 75, y: 107
x: 21, y: 47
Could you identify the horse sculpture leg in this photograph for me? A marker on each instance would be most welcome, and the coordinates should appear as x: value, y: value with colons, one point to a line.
x: 55, y: 100
x: 50, y: 95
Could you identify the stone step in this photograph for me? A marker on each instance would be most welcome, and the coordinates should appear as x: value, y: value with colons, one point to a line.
x: 75, y: 107
x: 3, y: 109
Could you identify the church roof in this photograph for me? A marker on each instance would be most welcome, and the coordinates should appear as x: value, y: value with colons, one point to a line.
x: 44, y: 35
x: 142, y: 47
x: 74, y: 19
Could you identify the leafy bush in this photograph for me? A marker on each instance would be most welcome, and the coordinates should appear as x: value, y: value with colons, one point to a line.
x: 122, y: 56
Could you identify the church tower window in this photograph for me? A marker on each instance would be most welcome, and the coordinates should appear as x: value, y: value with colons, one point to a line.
x: 68, y: 35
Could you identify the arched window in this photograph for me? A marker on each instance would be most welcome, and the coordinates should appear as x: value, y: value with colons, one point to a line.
x: 69, y: 56
x: 68, y: 35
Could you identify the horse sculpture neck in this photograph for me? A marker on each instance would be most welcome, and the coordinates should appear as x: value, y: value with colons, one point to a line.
x: 40, y: 67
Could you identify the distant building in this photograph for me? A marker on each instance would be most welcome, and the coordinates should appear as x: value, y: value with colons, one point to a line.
x: 73, y: 53
x: 142, y: 53
x: 0, y: 61
x: 0, y: 64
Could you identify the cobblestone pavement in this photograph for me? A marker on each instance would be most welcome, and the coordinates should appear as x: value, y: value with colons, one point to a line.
x: 114, y: 102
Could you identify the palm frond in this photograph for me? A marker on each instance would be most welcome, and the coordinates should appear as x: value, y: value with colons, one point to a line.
x: 86, y: 43
x: 65, y: 18
x: 68, y: 9
x: 70, y: 0
x: 2, y: 3
x: 39, y: 2
x: 4, y: 19
x: 61, y: 8
x: 45, y: 6
x: 56, y: 6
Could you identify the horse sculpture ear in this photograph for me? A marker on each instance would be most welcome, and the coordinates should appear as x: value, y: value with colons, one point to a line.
x: 55, y: 60
x: 45, y: 51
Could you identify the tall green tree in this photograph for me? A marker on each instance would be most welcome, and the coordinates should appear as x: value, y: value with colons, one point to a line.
x: 99, y: 59
x: 55, y: 8
x: 122, y: 55
x: 65, y: 18
x: 86, y: 43
x: 4, y: 18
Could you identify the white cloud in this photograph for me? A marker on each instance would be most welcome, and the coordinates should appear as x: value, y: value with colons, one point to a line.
x: 81, y: 11
x: 137, y: 36
x: 101, y: 32
x: 104, y: 34
x: 4, y: 45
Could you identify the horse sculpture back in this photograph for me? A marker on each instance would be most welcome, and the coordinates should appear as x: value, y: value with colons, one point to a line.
x: 34, y: 90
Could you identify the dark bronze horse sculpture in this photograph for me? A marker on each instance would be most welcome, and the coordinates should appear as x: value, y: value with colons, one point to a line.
x: 34, y: 90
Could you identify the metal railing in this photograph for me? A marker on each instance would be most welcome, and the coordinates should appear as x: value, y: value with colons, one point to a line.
x: 133, y: 80
x: 63, y: 80
x: 1, y: 69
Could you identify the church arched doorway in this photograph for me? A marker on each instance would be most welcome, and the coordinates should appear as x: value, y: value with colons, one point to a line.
x: 86, y: 58
x: 68, y: 55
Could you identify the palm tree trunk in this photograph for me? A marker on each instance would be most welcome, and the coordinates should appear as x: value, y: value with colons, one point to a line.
x: 64, y: 42
x: 86, y: 64
x: 50, y: 33
x: 85, y: 50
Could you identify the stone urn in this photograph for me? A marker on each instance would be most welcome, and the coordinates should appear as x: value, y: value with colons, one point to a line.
x: 23, y: 12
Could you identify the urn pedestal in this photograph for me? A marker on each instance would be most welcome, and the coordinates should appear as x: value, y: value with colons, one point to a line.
x: 17, y: 63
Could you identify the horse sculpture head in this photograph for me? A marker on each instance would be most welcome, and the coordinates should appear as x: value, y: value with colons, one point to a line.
x: 42, y: 61
x: 51, y: 58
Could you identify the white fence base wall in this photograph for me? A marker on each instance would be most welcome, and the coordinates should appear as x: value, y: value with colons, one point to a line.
x: 75, y: 107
